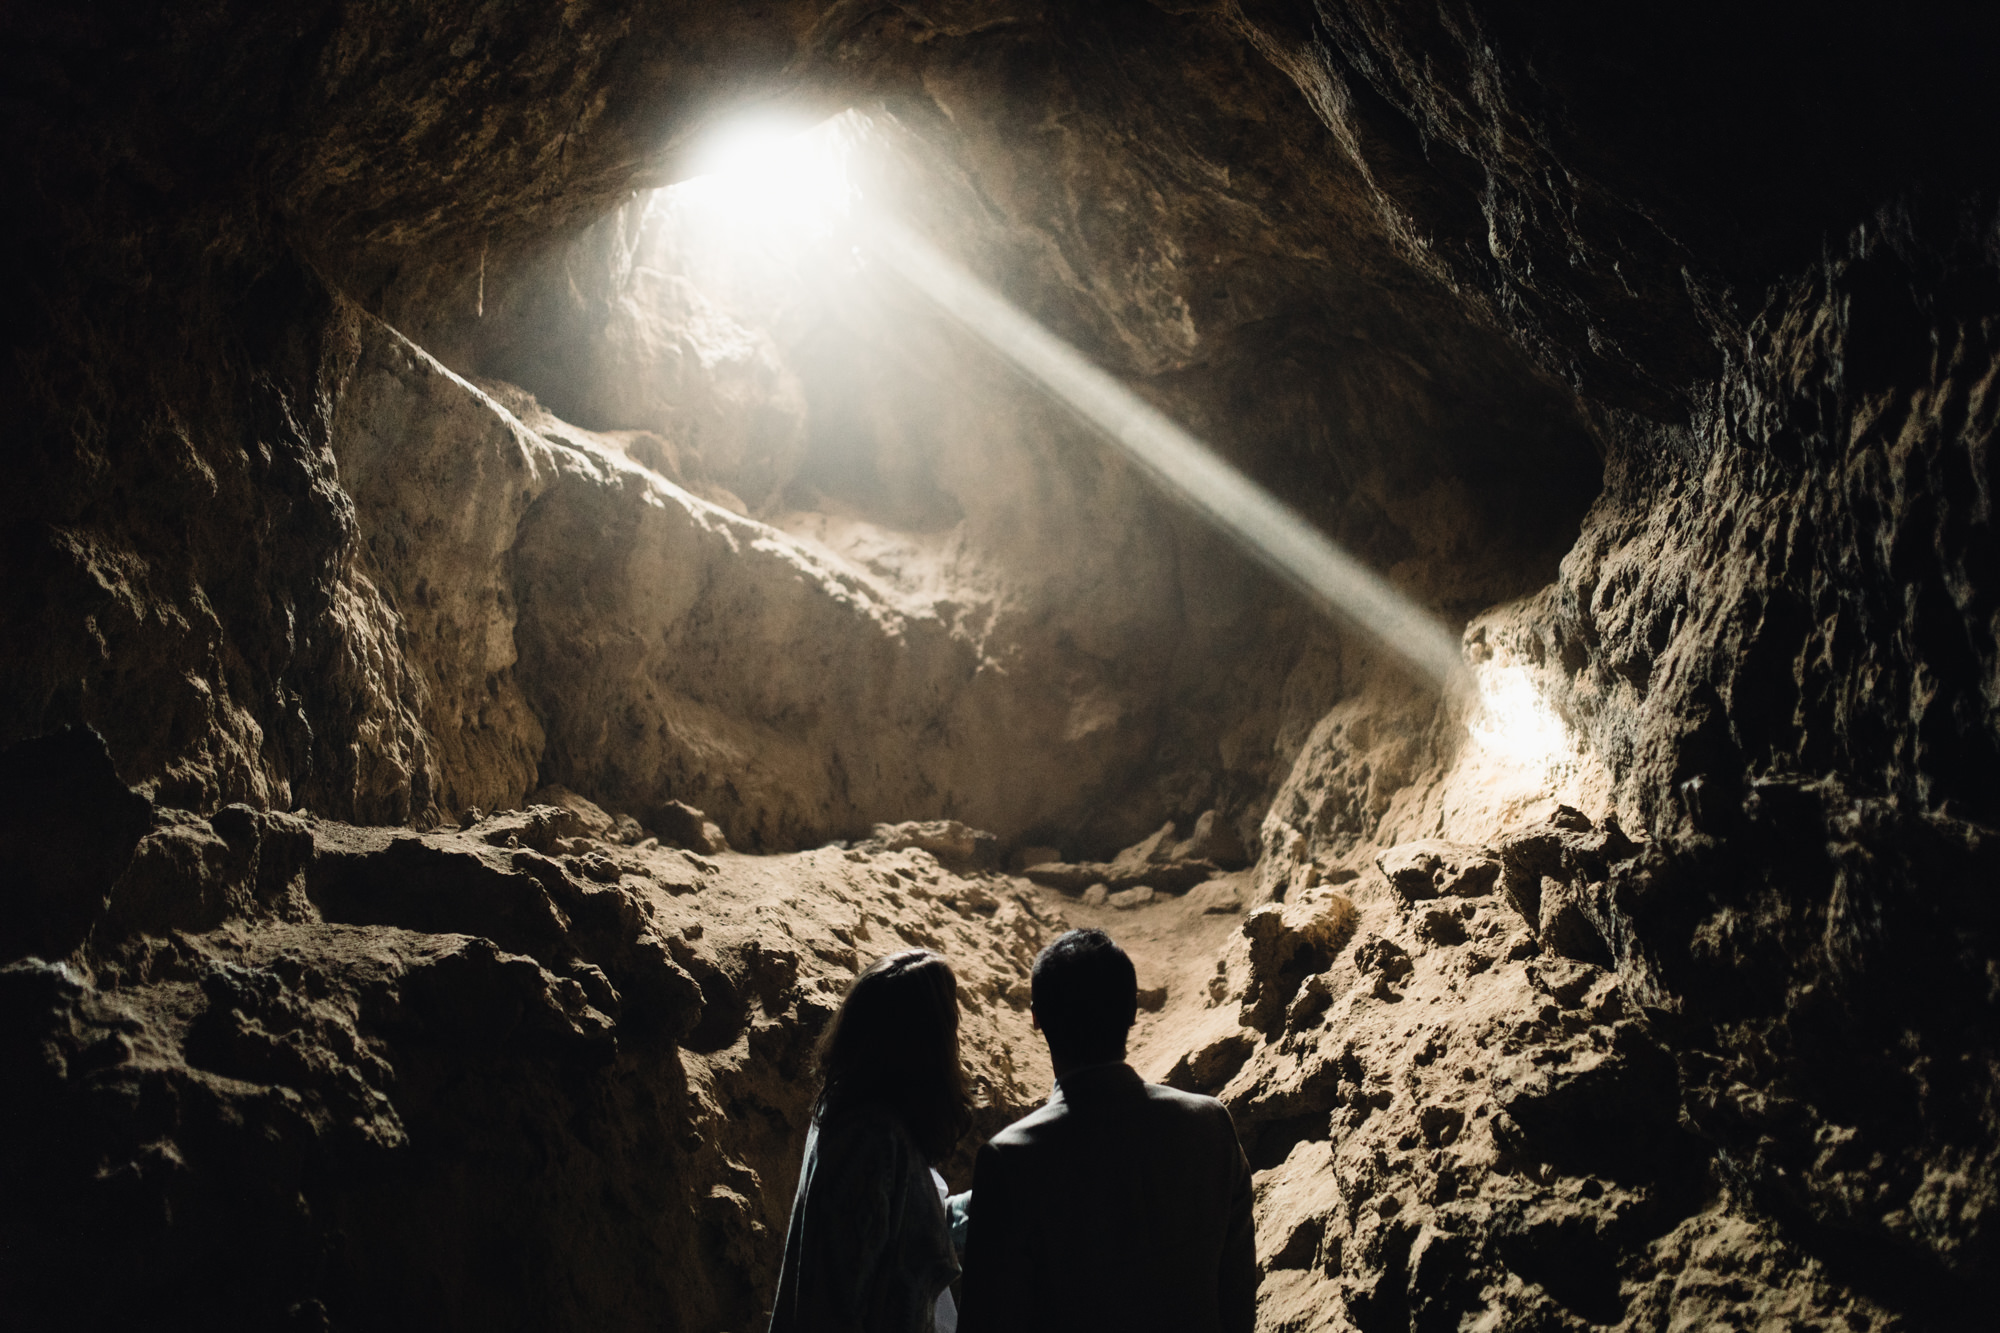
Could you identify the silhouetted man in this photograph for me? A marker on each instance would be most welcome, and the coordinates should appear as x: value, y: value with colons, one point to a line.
x: 1118, y: 1205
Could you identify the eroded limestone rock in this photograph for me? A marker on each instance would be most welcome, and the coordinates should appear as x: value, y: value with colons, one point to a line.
x: 1288, y: 944
x: 955, y: 845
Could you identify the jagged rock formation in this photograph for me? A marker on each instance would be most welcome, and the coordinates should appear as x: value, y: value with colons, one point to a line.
x: 320, y: 1074
x: 381, y: 460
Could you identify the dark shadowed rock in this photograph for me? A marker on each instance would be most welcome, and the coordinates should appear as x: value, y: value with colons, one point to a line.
x: 684, y: 826
x: 68, y: 826
x: 1211, y: 839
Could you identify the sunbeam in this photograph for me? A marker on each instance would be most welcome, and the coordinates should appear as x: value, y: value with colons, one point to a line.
x: 1268, y: 530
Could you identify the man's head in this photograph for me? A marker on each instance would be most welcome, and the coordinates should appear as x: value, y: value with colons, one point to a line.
x: 1085, y: 997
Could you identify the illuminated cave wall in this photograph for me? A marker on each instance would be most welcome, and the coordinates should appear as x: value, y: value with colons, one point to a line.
x: 1119, y: 664
x: 1657, y: 346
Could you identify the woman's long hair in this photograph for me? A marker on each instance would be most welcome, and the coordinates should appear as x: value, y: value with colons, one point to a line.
x: 894, y: 1040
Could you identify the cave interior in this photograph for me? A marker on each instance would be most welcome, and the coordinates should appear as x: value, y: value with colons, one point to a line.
x: 514, y: 596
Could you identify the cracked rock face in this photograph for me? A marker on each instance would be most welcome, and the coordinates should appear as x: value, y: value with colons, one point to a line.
x: 425, y: 562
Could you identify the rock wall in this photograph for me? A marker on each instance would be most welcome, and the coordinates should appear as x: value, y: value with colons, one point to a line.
x: 1685, y: 1018
x: 1813, y: 462
x: 579, y: 616
x: 756, y: 366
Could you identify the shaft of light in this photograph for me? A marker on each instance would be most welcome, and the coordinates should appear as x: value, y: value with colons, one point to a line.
x: 1266, y: 528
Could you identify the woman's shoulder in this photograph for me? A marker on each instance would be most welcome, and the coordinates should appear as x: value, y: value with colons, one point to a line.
x: 867, y: 1127
x: 865, y: 1148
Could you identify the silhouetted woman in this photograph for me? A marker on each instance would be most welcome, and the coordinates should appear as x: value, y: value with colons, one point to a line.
x: 868, y: 1249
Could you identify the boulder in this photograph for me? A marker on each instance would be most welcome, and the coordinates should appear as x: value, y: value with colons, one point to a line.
x: 956, y: 846
x: 1289, y: 942
x: 1434, y: 868
x: 684, y: 826
x: 1213, y: 838
x: 588, y: 819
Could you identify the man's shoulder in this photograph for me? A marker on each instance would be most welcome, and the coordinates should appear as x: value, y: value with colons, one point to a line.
x: 1046, y: 1121
x: 1025, y: 1131
x: 1190, y: 1103
x: 1201, y: 1115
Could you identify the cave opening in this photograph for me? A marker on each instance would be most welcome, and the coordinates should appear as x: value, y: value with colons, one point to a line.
x: 538, y: 549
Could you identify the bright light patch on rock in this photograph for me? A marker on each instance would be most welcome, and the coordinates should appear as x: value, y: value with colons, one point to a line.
x: 1515, y: 723
x: 1519, y: 763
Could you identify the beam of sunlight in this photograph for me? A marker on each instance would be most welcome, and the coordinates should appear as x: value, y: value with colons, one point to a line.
x: 767, y: 185
x: 1265, y: 527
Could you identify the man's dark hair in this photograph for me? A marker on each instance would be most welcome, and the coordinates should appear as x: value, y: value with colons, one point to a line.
x: 1086, y: 996
x: 894, y: 1041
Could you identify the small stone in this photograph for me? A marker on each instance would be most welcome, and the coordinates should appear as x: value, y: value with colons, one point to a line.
x: 1153, y: 999
x: 684, y: 826
x: 1313, y: 999
x: 1095, y: 895
x: 1127, y: 899
x: 1384, y: 958
x: 584, y: 817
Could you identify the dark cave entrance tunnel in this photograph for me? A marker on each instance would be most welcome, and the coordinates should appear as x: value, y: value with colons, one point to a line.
x: 1015, y: 625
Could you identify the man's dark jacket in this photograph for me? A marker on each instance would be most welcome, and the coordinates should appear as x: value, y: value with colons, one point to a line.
x: 1118, y: 1205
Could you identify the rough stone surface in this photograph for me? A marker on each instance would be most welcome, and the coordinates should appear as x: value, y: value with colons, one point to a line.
x: 441, y: 478
x: 1449, y: 1126
x: 378, y: 458
x: 299, y: 1053
x: 954, y: 845
x: 1771, y: 627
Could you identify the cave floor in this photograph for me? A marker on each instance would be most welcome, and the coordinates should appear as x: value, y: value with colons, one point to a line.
x: 1399, y: 1064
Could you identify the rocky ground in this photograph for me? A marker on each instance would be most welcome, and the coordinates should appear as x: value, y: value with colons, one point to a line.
x: 547, y: 1061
